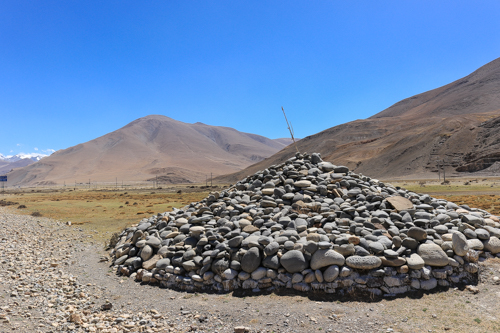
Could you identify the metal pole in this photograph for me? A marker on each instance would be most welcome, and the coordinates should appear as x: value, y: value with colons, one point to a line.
x: 444, y: 172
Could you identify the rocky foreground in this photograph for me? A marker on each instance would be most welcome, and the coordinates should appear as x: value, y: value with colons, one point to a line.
x: 311, y: 226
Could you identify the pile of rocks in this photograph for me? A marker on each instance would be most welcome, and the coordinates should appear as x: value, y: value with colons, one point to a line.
x: 309, y: 225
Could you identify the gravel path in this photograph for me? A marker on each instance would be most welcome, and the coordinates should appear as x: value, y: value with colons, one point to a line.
x: 54, y: 279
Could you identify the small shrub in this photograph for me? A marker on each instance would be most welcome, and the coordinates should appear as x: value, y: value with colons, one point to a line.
x: 21, y: 206
x: 477, y: 320
x: 472, y: 256
x: 113, y: 240
x: 36, y: 214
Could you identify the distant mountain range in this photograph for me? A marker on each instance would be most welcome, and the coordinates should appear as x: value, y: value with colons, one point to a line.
x: 35, y: 157
x: 455, y: 127
x: 152, y: 147
x: 7, y: 163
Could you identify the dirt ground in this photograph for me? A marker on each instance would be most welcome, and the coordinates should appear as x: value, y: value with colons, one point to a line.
x: 452, y: 310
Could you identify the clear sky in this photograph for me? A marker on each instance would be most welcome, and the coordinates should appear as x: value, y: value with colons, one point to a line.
x: 71, y: 71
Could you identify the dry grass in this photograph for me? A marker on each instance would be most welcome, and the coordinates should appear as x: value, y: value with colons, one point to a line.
x: 102, y: 212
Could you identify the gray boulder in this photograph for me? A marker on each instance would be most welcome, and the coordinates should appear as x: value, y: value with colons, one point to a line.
x: 323, y: 258
x: 433, y: 254
x: 294, y: 261
x: 251, y: 260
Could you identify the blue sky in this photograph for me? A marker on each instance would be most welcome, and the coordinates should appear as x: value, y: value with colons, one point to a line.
x: 71, y: 71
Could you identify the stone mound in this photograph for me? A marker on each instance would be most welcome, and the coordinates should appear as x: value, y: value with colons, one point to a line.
x: 310, y: 225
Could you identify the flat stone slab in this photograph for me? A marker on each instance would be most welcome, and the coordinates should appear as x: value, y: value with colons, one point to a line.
x: 399, y: 203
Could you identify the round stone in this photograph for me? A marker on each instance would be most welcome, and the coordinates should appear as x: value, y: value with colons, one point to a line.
x: 482, y: 234
x: 121, y: 260
x: 331, y: 273
x: 492, y: 245
x: 146, y: 252
x: 433, y: 254
x: 415, y: 261
x: 410, y: 243
x: 302, y: 183
x: 459, y: 244
x: 475, y: 244
x: 229, y: 274
x: 235, y: 241
x: 325, y: 245
x: 272, y: 262
x: 441, y: 229
x: 390, y: 254
x: 259, y: 273
x: 376, y: 247
x: 417, y: 233
x: 271, y: 248
x: 153, y: 242
x: 323, y: 258
x: 470, y: 234
x: 220, y: 265
x: 196, y: 230
x: 368, y: 262
x: 396, y: 240
x: 393, y: 262
x: 294, y: 261
x: 251, y: 260
x: 163, y: 263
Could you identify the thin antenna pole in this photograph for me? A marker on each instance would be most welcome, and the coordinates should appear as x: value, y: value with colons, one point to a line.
x: 290, y: 129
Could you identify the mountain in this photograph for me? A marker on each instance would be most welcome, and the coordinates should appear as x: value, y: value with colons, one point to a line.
x: 456, y: 126
x: 7, y: 163
x: 151, y: 147
x: 35, y: 157
x: 6, y: 166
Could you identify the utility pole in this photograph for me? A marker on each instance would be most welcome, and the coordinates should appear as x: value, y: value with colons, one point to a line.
x: 206, y: 181
x: 211, y: 184
x: 439, y: 171
x: 444, y: 172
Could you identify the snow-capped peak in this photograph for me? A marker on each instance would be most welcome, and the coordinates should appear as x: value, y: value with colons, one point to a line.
x: 14, y: 158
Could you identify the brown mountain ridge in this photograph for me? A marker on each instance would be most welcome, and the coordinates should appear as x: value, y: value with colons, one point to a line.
x: 456, y: 126
x: 150, y: 147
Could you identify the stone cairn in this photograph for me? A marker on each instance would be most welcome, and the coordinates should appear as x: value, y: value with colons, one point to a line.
x: 309, y: 225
